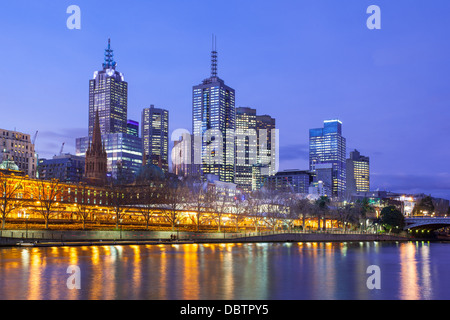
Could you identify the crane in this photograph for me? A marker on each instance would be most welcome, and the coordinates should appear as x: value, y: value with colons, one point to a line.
x: 34, y: 138
x: 62, y: 147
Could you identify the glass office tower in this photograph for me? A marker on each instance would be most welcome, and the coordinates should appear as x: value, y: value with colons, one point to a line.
x: 214, y: 121
x: 155, y: 137
x: 328, y: 146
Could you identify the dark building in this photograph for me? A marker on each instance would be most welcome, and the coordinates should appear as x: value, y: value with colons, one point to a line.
x: 95, y: 163
x: 65, y: 168
x: 295, y: 181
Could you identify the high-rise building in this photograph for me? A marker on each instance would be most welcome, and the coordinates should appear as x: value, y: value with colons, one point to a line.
x: 214, y: 120
x: 108, y: 95
x: 17, y: 147
x: 327, y: 145
x: 358, y: 173
x: 267, y: 142
x: 246, y: 147
x: 155, y: 137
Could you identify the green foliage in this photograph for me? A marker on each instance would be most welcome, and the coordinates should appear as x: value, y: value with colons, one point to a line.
x: 391, y: 217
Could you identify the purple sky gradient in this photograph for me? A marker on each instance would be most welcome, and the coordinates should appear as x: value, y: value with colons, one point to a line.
x: 302, y: 62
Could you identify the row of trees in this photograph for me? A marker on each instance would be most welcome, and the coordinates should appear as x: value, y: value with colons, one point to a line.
x: 173, y: 198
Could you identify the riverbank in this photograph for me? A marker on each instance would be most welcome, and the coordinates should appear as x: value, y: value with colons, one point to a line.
x: 49, y: 238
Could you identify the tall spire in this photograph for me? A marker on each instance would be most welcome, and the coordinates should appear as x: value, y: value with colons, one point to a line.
x: 109, y: 57
x: 96, y: 135
x: 214, y: 57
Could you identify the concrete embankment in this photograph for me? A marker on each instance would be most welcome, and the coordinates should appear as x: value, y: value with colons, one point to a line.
x: 321, y: 237
x: 79, y: 238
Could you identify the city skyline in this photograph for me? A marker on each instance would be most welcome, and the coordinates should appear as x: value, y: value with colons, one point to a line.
x: 388, y: 93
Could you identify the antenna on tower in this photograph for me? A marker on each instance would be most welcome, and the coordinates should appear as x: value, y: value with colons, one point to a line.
x: 214, y: 57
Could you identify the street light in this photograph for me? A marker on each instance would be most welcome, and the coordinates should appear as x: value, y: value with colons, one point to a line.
x: 26, y: 224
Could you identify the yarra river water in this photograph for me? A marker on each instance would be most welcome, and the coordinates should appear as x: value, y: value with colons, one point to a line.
x: 247, y: 271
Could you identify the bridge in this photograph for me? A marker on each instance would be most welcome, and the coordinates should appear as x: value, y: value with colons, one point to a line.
x: 426, y: 223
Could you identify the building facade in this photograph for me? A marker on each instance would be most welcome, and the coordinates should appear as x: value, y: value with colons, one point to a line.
x: 246, y: 147
x: 214, y: 121
x: 17, y: 147
x: 155, y: 137
x: 64, y: 167
x: 328, y: 146
x: 358, y: 173
x: 293, y: 181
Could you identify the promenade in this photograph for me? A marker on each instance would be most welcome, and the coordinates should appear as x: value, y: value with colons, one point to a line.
x: 82, y: 238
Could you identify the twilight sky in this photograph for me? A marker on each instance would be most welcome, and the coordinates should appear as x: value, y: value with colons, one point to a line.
x: 300, y: 61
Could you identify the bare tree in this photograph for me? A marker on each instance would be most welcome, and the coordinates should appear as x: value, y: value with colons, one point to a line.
x: 12, y: 195
x: 83, y: 208
x: 48, y: 194
x: 221, y: 203
x: 173, y: 200
x: 347, y: 215
x: 303, y: 208
x: 201, y: 201
x: 253, y: 209
x: 148, y: 197
x: 239, y: 211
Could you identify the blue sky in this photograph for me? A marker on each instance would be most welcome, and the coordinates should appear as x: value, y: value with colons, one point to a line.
x: 302, y: 62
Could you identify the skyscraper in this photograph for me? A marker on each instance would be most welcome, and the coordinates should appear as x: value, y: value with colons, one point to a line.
x: 214, y: 120
x: 108, y: 95
x: 155, y: 137
x: 246, y: 147
x: 358, y: 173
x: 327, y: 145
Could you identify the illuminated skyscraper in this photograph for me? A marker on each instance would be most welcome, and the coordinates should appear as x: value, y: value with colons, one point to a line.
x: 327, y: 146
x: 108, y: 95
x: 246, y: 147
x: 358, y: 173
x: 155, y: 137
x: 214, y: 120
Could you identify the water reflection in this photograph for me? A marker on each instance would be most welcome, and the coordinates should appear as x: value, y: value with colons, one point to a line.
x: 257, y: 271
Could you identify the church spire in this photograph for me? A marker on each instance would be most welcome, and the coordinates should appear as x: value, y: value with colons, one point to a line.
x: 96, y: 135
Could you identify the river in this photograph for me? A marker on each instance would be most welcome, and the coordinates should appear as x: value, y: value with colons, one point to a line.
x: 247, y: 271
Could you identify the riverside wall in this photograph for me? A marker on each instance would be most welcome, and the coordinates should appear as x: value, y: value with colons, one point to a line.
x: 12, y: 237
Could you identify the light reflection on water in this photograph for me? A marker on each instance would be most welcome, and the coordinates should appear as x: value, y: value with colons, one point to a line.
x: 257, y: 271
